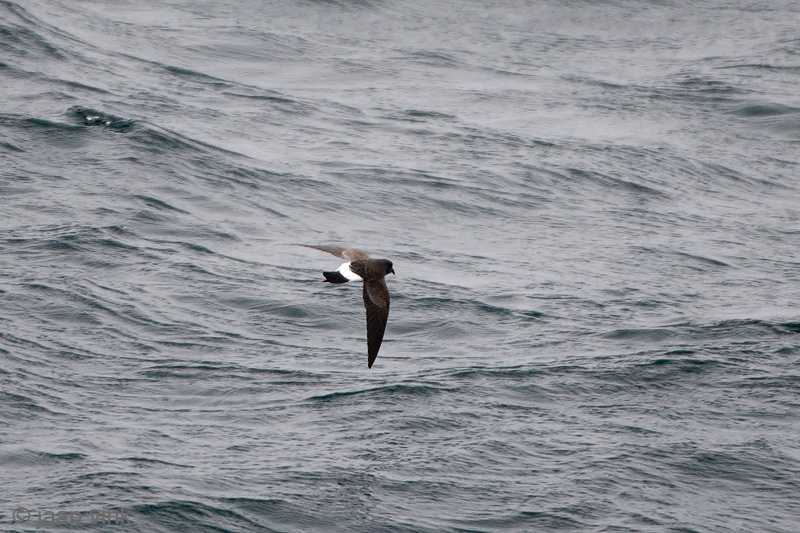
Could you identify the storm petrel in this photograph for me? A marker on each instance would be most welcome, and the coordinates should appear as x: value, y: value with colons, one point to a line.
x: 361, y: 267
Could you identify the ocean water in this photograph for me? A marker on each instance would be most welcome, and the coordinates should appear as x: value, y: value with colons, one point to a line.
x: 593, y: 210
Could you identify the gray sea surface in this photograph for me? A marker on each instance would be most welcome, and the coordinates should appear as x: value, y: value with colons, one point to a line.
x: 593, y: 210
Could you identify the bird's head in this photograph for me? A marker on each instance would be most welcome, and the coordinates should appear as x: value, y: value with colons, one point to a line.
x: 389, y: 267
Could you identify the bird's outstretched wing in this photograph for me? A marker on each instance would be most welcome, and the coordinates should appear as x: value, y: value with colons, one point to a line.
x: 376, y: 302
x: 345, y: 253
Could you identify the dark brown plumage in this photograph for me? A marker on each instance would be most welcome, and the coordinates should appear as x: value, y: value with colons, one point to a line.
x: 376, y: 295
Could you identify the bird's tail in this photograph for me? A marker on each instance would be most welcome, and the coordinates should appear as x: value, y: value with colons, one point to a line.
x: 335, y: 277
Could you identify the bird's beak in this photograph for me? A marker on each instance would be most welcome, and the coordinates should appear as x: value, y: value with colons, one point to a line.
x: 392, y: 271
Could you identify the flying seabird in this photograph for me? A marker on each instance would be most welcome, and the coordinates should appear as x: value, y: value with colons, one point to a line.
x: 361, y: 267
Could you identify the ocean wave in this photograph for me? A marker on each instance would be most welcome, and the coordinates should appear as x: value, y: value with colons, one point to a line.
x: 592, y: 218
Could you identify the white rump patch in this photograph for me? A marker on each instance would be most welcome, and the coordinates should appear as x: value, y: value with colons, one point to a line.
x: 345, y: 271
